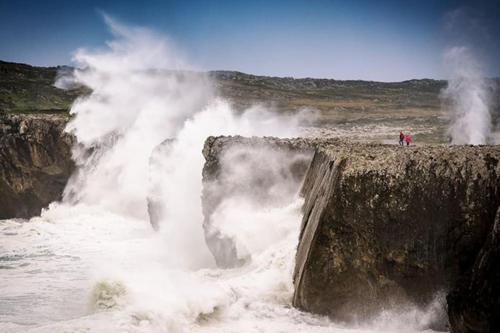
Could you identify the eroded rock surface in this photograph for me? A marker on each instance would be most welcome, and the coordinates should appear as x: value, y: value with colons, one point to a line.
x: 474, y: 303
x: 387, y: 226
x: 35, y: 163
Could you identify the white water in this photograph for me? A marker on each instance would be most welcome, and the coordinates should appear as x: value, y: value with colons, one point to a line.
x: 94, y: 264
x: 467, y: 98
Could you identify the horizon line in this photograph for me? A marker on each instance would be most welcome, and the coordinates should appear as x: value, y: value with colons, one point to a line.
x: 260, y: 75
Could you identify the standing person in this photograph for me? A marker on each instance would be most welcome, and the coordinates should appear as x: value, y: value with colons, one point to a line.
x: 408, y: 139
x: 401, y: 138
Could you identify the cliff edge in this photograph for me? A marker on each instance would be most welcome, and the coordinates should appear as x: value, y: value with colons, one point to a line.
x: 266, y: 171
x: 386, y: 226
x: 35, y: 163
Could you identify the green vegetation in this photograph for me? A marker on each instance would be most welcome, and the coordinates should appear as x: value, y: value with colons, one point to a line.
x: 327, y: 92
x: 338, y: 101
x: 28, y: 89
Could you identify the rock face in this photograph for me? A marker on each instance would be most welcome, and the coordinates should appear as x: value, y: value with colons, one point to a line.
x: 35, y: 163
x: 474, y: 304
x: 386, y: 226
x: 267, y: 171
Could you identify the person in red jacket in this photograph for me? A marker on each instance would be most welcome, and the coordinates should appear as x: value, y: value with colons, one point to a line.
x: 401, y: 138
x: 408, y: 139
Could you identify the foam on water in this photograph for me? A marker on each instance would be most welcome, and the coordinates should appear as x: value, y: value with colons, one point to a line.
x: 79, y: 269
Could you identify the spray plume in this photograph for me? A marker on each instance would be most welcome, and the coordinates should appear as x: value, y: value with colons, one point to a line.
x: 468, y: 98
x: 142, y: 95
x: 152, y: 282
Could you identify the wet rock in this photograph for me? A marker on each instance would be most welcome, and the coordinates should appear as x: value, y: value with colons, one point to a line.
x: 474, y: 303
x: 388, y: 227
x: 35, y: 163
x: 267, y: 171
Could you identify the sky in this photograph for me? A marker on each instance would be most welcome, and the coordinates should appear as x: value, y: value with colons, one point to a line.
x: 380, y: 40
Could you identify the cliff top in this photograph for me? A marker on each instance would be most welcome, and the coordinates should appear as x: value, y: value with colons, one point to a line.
x: 391, y: 159
x: 369, y: 157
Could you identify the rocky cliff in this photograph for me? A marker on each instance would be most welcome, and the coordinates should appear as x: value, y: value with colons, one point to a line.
x: 35, y: 163
x: 474, y: 302
x: 386, y: 226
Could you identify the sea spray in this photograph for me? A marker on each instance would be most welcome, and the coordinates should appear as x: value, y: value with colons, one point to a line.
x: 467, y: 98
x: 101, y: 231
x: 178, y: 185
x: 142, y: 95
x: 139, y: 97
x: 132, y: 108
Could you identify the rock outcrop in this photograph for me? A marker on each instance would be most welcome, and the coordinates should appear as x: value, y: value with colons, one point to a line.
x: 386, y: 226
x: 474, y: 303
x: 263, y: 170
x: 35, y: 163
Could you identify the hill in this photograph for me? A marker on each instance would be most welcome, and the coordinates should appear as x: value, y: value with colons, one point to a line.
x: 25, y: 88
x: 353, y: 106
x: 339, y: 101
x: 29, y: 89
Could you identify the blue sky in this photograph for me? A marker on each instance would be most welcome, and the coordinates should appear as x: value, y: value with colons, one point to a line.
x: 374, y: 40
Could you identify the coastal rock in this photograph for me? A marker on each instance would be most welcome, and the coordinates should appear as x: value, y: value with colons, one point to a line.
x: 386, y: 227
x: 35, y: 163
x: 267, y: 171
x: 474, y: 304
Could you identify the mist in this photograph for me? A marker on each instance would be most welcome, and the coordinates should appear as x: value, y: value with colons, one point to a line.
x: 142, y: 94
x: 469, y: 59
x: 467, y: 98
x: 139, y: 134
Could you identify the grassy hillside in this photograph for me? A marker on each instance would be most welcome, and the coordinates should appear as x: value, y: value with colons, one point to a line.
x: 363, y: 107
x: 27, y: 89
x: 353, y: 108
x: 338, y: 101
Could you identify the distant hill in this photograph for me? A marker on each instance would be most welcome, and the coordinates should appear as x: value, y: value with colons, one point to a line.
x: 345, y: 106
x: 25, y: 88
x: 421, y: 93
x: 337, y: 100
